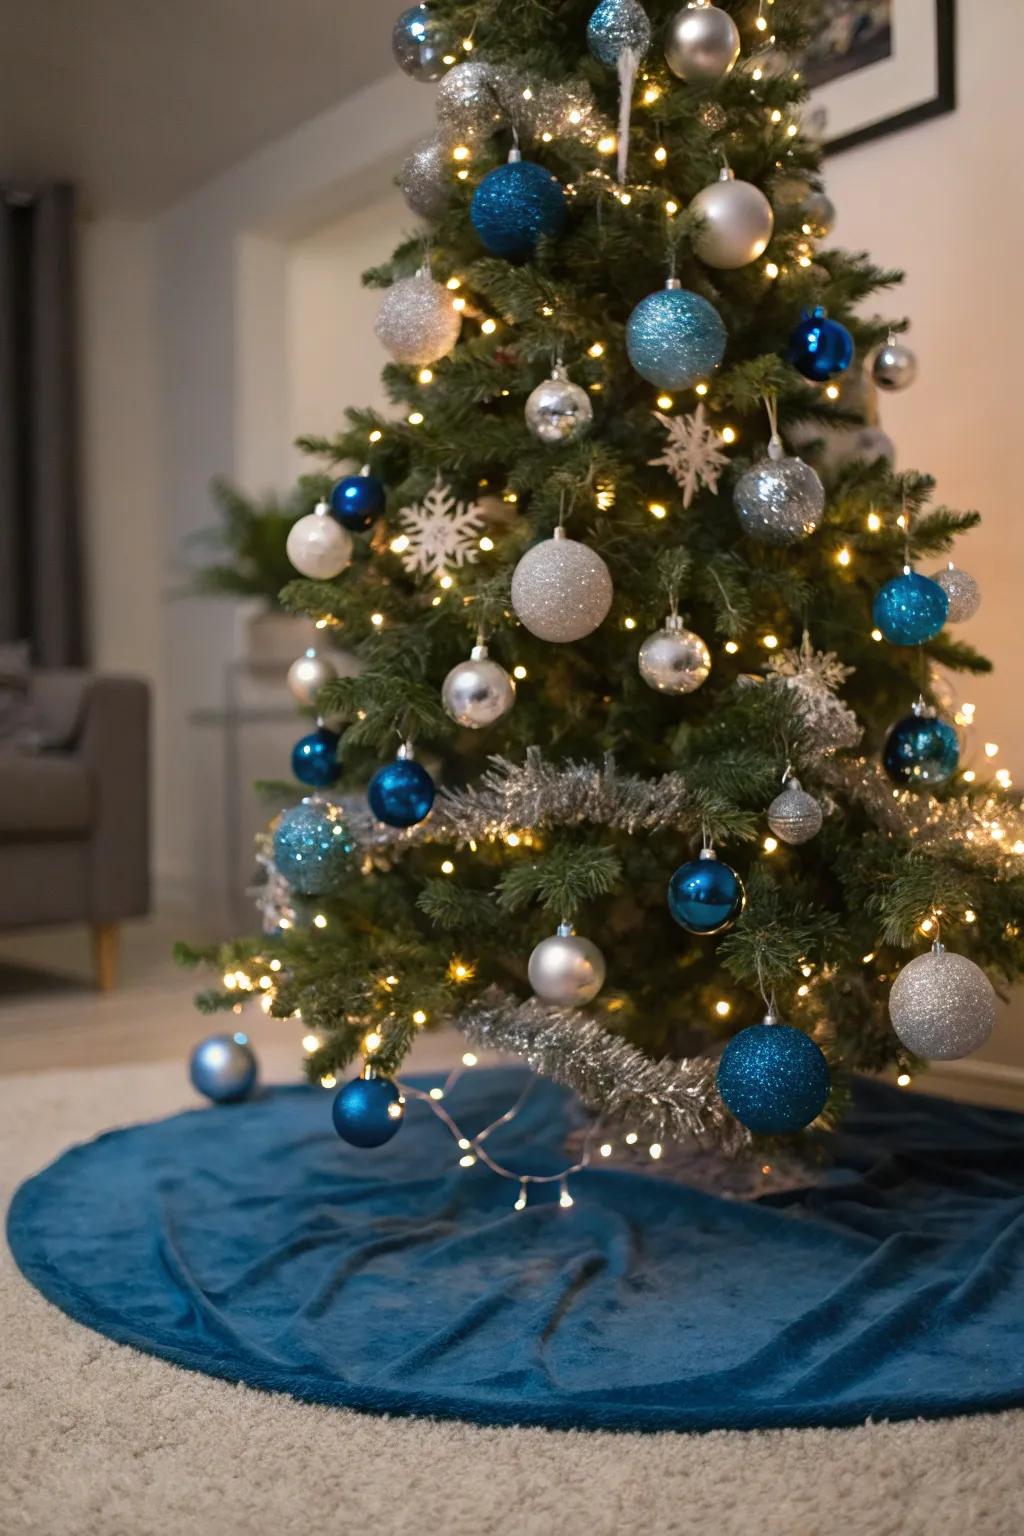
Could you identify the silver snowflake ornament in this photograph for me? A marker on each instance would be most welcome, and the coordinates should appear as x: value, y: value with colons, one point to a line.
x: 440, y: 531
x: 813, y: 677
x: 693, y: 454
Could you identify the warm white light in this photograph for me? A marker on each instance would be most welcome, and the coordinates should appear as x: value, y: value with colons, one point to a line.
x: 415, y: 418
x: 832, y: 390
x: 629, y: 623
x: 419, y: 1017
x: 770, y: 844
x: 665, y: 402
x: 596, y: 349
x: 770, y: 642
x: 436, y: 1093
x: 447, y: 868
x: 566, y: 1200
x: 320, y: 921
x: 657, y: 510
x: 461, y: 152
x: 874, y: 522
x: 454, y: 283
x: 399, y: 544
x: 991, y: 748
x: 631, y: 1139
x: 655, y: 1149
x: 328, y: 1080
x: 671, y: 207
x: 376, y: 435
x: 489, y: 327
x: 731, y: 647
x: 310, y: 1043
x: 607, y: 145
x: 771, y: 269
x: 376, y: 619
x: 467, y: 1161
x: 661, y: 154
x: 843, y: 556
x: 728, y: 434
x: 904, y: 1080
x: 605, y: 1149
x: 513, y: 839
x: 425, y: 375
x: 519, y: 673
x: 469, y: 1059
x: 876, y: 634
x: 722, y: 1008
x: 446, y: 582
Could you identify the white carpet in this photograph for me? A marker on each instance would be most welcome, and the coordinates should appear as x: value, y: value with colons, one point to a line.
x: 96, y: 1440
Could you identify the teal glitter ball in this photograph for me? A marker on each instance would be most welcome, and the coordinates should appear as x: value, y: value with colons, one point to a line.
x: 675, y: 338
x: 921, y: 750
x: 910, y: 609
x: 773, y: 1078
x: 311, y: 847
x: 368, y: 1111
x: 705, y: 896
x: 515, y: 205
x: 615, y: 26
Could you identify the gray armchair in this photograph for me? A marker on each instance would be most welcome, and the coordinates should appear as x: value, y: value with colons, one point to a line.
x: 74, y: 818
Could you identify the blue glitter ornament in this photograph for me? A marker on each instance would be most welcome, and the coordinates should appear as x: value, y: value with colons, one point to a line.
x: 921, y: 749
x: 368, y: 1111
x: 819, y: 348
x: 357, y: 501
x: 223, y: 1068
x: 311, y: 847
x: 618, y: 25
x: 773, y: 1078
x: 420, y: 45
x: 315, y: 759
x: 910, y: 609
x: 401, y: 793
x: 704, y: 895
x: 675, y: 338
x: 515, y: 205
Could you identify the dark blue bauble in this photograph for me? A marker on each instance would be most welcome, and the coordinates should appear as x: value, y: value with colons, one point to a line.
x: 773, y: 1078
x: 315, y: 759
x: 921, y: 749
x: 368, y: 1111
x: 675, y: 338
x: 515, y: 205
x: 705, y: 895
x: 910, y: 609
x: 223, y: 1068
x: 357, y: 501
x: 311, y: 847
x: 401, y: 793
x: 820, y: 348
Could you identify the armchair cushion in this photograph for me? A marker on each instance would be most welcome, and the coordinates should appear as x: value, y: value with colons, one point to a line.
x: 44, y: 796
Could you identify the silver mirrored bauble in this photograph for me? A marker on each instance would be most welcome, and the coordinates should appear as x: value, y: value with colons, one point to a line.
x: 779, y: 500
x: 308, y: 674
x: 733, y: 222
x: 419, y: 45
x: 963, y: 592
x: 416, y: 322
x: 674, y: 659
x: 894, y: 366
x: 702, y: 43
x: 478, y: 692
x: 566, y: 970
x: 794, y: 816
x: 467, y: 100
x: 426, y: 180
x: 819, y: 215
x: 942, y: 1006
x: 561, y: 589
x: 558, y: 410
x: 318, y: 546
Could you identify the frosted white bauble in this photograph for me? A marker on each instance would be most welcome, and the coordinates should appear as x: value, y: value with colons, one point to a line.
x: 319, y: 547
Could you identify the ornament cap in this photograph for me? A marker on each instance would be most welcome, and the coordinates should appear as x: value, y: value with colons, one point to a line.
x: 776, y: 451
x: 405, y: 753
x: 565, y: 930
x: 479, y: 652
x: 673, y: 284
x: 938, y: 948
x: 560, y: 532
x: 727, y: 173
x: 708, y: 853
x: 515, y: 155
x: 923, y: 710
x: 321, y: 509
x: 674, y: 623
x: 369, y: 1072
x: 771, y: 1016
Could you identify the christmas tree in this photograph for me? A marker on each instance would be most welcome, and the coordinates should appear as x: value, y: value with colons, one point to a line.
x: 651, y: 701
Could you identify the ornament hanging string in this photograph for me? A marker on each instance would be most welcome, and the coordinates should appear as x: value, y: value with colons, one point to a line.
x: 771, y: 405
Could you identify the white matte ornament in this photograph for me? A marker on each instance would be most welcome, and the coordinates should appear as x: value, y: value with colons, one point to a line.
x: 702, y: 43
x: 942, y: 1006
x: 794, y: 816
x: 478, y: 692
x: 734, y: 222
x: 318, y: 546
x: 674, y: 659
x: 963, y: 592
x: 308, y: 674
x: 416, y: 322
x: 566, y: 970
x: 561, y: 589
x: 558, y: 410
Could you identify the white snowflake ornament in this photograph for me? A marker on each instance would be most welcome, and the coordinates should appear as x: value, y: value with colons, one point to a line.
x: 693, y: 454
x: 813, y: 677
x: 440, y: 531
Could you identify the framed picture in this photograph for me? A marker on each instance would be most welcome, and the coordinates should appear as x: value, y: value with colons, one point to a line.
x: 877, y: 66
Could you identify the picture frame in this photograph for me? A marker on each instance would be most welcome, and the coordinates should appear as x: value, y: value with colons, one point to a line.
x: 878, y: 67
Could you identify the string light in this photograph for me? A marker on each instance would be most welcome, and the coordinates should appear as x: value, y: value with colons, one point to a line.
x: 657, y: 510
x: 728, y: 434
x: 655, y: 1149
x: 607, y: 145
x: 903, y: 1080
x: 419, y: 1017
x: 874, y: 522
x: 454, y: 283
x: 486, y: 544
x: 596, y: 349
x: 843, y: 556
x: 770, y: 844
x: 310, y: 1043
x: 376, y: 619
x: 665, y: 402
x: 437, y: 1094
x: 469, y: 1059
x: 328, y: 1080
x: 771, y: 270
x: 876, y: 634
x: 415, y: 418
x: 722, y: 1008
x: 770, y: 642
x: 629, y: 623
x: 970, y: 916
x: 605, y: 1149
x: 520, y: 1202
x: 661, y: 154
x: 426, y: 375
x: 631, y: 1138
x: 371, y: 1043
x: 447, y: 868
x: 461, y: 152
x: 376, y: 435
x: 519, y: 673
x: 489, y: 327
x: 671, y: 207
x: 459, y: 304
x: 445, y: 581
x: 565, y: 1200
x: 650, y: 96
x: 731, y: 647
x: 320, y: 921
x: 831, y: 390
x: 991, y: 748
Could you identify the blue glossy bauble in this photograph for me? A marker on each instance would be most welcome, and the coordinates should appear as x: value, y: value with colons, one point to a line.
x: 401, y: 793
x: 419, y: 45
x: 675, y: 338
x: 910, y: 609
x: 357, y: 501
x: 615, y: 26
x: 705, y: 896
x: 773, y: 1078
x: 223, y: 1068
x: 368, y: 1111
x: 311, y: 847
x: 315, y: 759
x: 515, y: 205
x: 921, y: 749
x: 819, y: 348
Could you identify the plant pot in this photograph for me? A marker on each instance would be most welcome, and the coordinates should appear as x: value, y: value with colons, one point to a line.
x: 270, y: 639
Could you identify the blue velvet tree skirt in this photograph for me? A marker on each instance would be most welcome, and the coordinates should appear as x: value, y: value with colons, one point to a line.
x: 249, y: 1243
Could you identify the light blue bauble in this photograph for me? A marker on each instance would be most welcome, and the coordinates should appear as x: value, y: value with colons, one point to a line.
x: 368, y: 1111
x: 515, y: 205
x: 615, y: 26
x: 223, y: 1068
x: 311, y: 847
x: 675, y: 338
x: 773, y: 1078
x: 910, y: 609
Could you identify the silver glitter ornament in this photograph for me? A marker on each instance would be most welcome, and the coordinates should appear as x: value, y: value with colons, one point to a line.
x: 420, y: 45
x: 308, y: 674
x: 478, y: 692
x: 963, y: 592
x: 426, y: 180
x: 894, y: 366
x: 794, y: 816
x: 674, y: 659
x: 467, y: 100
x: 558, y: 410
x: 561, y: 589
x: 318, y: 546
x: 942, y: 1006
x: 819, y: 215
x: 702, y: 43
x: 734, y: 222
x: 779, y: 500
x: 416, y: 322
x: 566, y: 970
